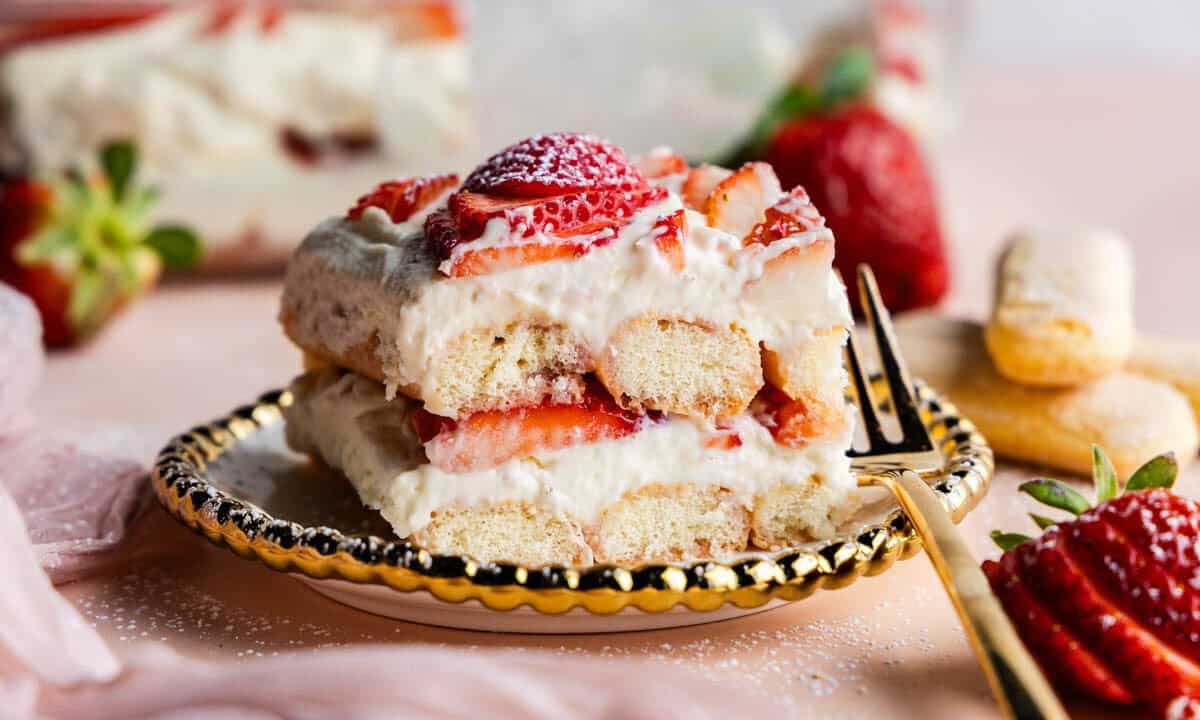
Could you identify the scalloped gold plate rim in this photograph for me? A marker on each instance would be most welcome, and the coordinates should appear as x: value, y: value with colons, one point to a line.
x: 750, y: 581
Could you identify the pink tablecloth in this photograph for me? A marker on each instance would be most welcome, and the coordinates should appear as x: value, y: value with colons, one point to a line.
x: 1111, y: 148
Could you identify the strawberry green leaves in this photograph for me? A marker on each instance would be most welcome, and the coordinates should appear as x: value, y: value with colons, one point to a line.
x: 1104, y: 474
x: 176, y: 245
x: 1042, y: 521
x: 1056, y: 495
x: 845, y: 78
x: 1159, y: 472
x: 1008, y: 541
x: 119, y: 161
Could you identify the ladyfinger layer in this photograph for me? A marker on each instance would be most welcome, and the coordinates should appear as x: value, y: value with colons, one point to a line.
x: 677, y: 488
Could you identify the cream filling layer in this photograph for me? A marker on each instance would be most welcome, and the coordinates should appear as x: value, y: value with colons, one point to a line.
x: 215, y: 102
x: 348, y: 422
x: 385, y: 283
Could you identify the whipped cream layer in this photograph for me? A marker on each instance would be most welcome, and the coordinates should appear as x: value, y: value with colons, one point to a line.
x: 348, y: 421
x: 193, y: 98
x: 377, y: 279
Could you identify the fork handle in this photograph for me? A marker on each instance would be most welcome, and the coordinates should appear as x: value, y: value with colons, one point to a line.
x: 1016, y: 681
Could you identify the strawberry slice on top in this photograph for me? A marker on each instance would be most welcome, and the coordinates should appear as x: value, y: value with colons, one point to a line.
x: 401, y: 199
x: 557, y: 197
x: 547, y: 165
x: 792, y: 215
x: 491, y: 437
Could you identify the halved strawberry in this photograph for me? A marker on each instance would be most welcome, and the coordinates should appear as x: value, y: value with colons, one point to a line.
x: 739, y: 201
x: 668, y: 234
x: 792, y: 215
x: 536, y: 228
x: 543, y: 166
x: 795, y: 423
x: 699, y: 184
x: 660, y: 163
x: 401, y: 199
x: 486, y: 439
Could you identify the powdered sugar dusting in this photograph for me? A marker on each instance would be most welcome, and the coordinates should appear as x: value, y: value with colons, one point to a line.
x: 553, y: 164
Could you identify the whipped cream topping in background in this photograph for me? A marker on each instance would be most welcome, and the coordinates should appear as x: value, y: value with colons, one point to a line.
x: 421, y: 311
x: 349, y: 421
x: 207, y: 111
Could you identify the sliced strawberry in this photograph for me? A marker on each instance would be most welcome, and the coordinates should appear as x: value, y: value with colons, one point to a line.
x: 1128, y: 575
x: 724, y: 437
x: 269, y: 13
x: 426, y: 19
x: 739, y: 202
x: 1058, y: 651
x: 556, y: 164
x: 535, y: 227
x: 1152, y: 671
x: 795, y: 423
x: 97, y: 18
x: 486, y: 439
x: 792, y: 215
x: 660, y: 163
x: 401, y: 199
x: 668, y: 233
x: 499, y: 258
x: 699, y: 184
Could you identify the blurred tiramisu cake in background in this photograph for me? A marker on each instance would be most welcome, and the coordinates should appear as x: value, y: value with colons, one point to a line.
x: 251, y: 117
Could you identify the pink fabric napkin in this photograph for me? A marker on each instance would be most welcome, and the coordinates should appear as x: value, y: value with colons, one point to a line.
x: 65, y: 513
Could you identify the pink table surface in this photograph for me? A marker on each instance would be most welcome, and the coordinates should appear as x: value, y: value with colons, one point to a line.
x: 1108, y: 148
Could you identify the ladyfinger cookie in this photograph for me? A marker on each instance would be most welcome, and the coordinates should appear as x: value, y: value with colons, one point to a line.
x: 1171, y: 360
x: 1133, y: 417
x: 1064, y: 308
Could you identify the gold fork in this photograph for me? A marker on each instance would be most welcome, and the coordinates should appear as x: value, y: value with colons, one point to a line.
x: 1018, y: 684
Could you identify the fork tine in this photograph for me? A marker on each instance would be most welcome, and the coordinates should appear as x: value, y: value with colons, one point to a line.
x: 866, y: 399
x: 894, y: 370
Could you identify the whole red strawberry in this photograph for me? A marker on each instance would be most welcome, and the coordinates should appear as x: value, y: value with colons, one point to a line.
x: 1109, y: 601
x: 865, y: 172
x: 867, y: 175
x: 80, y: 247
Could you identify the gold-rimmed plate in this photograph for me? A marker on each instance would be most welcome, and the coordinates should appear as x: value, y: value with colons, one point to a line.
x: 235, y: 481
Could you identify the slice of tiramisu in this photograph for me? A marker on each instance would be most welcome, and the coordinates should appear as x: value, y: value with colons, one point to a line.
x: 572, y: 356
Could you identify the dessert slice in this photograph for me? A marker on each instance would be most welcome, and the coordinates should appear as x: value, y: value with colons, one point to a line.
x: 562, y: 359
